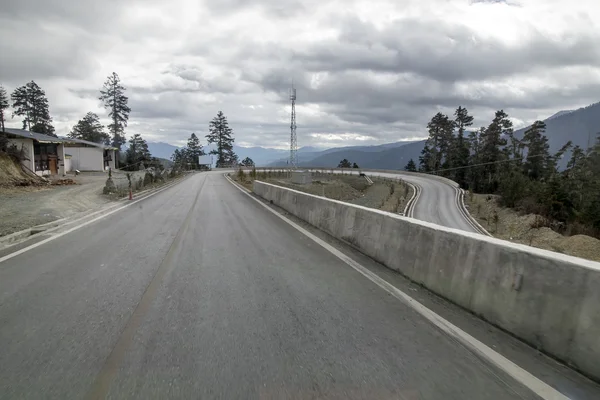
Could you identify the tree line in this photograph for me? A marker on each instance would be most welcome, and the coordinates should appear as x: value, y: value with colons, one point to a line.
x: 30, y: 102
x: 219, y: 133
x: 522, y: 171
x: 347, y: 164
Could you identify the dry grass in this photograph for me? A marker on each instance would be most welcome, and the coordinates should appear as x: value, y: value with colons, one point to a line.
x: 508, y: 224
x: 386, y: 195
x: 245, y: 180
x: 12, y: 175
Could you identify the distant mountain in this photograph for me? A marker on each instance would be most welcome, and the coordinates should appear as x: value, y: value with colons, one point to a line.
x: 260, y: 155
x: 558, y: 114
x: 579, y: 126
x: 306, y: 158
x: 161, y: 149
x: 263, y: 155
x: 389, y: 158
x: 309, y: 149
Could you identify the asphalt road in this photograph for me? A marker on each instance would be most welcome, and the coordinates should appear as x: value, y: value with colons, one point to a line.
x: 437, y: 202
x: 199, y: 292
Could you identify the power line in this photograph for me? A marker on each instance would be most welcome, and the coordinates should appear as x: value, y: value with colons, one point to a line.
x: 487, y: 163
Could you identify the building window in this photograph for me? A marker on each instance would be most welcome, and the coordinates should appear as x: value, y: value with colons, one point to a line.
x: 41, y: 152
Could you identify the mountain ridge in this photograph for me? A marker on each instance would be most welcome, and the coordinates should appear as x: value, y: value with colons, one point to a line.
x: 580, y: 126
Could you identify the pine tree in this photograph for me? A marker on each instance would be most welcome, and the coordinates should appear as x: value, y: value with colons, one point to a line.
x: 355, y: 165
x: 113, y: 97
x: 552, y: 160
x: 137, y: 153
x: 178, y: 157
x: 411, y: 166
x: 193, y: 151
x: 247, y: 162
x: 474, y: 174
x: 441, y: 130
x: 3, y: 106
x: 89, y: 128
x: 344, y: 164
x: 460, y: 150
x: 575, y: 176
x: 577, y: 158
x: 425, y: 159
x: 591, y: 205
x: 30, y: 102
x: 493, y: 140
x: 538, y: 151
x: 221, y: 134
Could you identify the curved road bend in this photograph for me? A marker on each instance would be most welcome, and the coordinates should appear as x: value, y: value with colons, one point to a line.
x: 437, y: 203
x: 199, y: 292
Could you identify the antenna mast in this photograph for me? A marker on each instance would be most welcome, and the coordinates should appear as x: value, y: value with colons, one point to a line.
x: 293, y: 138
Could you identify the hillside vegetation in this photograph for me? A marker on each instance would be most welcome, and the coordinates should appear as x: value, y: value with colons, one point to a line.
x: 524, y: 171
x: 578, y: 126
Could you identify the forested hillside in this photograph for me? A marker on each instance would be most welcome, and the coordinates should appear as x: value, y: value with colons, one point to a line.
x: 522, y: 169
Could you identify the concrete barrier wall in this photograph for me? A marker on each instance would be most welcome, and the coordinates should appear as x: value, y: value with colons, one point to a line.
x: 549, y: 300
x: 356, y: 170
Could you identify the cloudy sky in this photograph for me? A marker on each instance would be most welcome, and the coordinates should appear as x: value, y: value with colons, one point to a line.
x: 366, y: 71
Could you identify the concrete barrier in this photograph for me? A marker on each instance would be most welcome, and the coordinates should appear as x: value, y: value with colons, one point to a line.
x: 357, y: 170
x: 549, y: 300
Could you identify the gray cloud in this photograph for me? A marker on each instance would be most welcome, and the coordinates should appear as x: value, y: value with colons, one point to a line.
x: 43, y: 52
x: 274, y: 8
x: 443, y: 51
x: 360, y: 73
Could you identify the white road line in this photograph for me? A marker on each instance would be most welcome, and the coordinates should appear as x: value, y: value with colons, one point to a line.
x: 409, y: 204
x: 416, y: 201
x: 468, y: 215
x: 51, y: 238
x: 537, y: 386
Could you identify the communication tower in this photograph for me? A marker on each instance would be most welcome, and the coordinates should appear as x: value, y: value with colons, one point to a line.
x: 293, y: 138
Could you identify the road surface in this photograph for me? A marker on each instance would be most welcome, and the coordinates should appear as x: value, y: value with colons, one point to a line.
x: 437, y: 203
x: 200, y: 292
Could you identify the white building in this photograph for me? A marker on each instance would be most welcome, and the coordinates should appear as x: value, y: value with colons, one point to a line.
x: 89, y: 156
x: 42, y: 154
x: 49, y: 155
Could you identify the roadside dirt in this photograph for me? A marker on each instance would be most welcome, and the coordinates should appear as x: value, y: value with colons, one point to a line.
x: 28, y: 206
x: 12, y: 175
x: 383, y: 194
x: 510, y: 225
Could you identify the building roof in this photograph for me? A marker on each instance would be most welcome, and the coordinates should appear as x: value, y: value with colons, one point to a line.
x: 43, y: 138
x: 75, y: 141
x: 39, y: 137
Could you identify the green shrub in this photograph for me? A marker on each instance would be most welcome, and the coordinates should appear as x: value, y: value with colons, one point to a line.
x: 148, y: 179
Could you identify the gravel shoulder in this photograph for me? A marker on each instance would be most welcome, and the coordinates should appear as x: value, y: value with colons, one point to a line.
x: 508, y: 224
x: 28, y: 206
